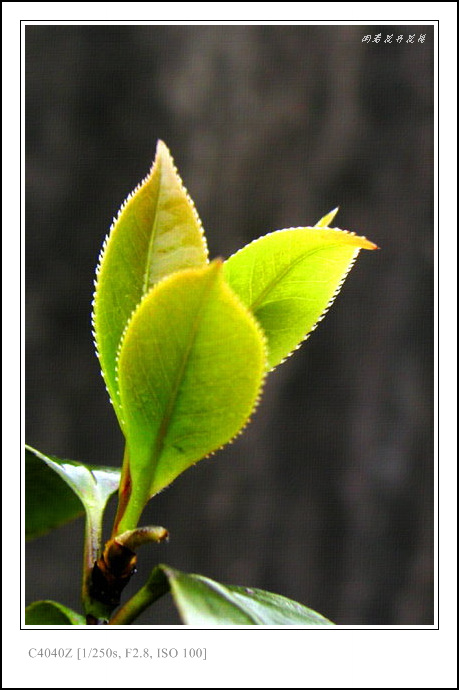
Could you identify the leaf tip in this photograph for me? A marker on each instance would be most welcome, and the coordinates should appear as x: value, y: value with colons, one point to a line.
x: 161, y: 148
x: 367, y: 244
x: 326, y: 220
x: 164, y: 156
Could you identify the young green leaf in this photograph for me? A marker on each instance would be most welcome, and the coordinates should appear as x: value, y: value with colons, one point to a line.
x: 289, y: 278
x: 190, y: 371
x: 202, y: 602
x: 327, y: 220
x: 49, y: 501
x: 51, y: 613
x: 157, y: 232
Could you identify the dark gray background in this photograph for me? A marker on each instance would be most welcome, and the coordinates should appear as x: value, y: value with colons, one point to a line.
x: 328, y: 496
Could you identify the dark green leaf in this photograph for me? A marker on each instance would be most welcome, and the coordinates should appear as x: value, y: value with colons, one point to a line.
x: 202, y: 602
x: 49, y: 502
x: 83, y: 486
x: 51, y: 613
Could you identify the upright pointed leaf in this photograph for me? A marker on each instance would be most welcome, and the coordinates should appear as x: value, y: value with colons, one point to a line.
x: 190, y: 371
x: 49, y: 501
x: 91, y: 486
x: 157, y: 232
x: 51, y: 613
x: 289, y: 278
x: 202, y: 602
x: 327, y: 220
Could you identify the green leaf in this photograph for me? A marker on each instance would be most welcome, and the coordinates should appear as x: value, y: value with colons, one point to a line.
x: 190, y: 371
x: 49, y: 502
x: 83, y: 486
x: 51, y: 613
x: 289, y: 278
x: 202, y: 601
x: 156, y: 233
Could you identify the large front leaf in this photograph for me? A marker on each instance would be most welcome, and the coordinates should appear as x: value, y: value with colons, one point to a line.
x: 49, y: 501
x: 202, y: 602
x: 190, y: 371
x: 156, y: 233
x: 58, y: 490
x: 51, y: 613
x: 289, y: 278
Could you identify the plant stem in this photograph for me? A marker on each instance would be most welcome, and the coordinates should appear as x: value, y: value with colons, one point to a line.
x: 124, y: 491
x: 133, y: 507
x: 92, y: 545
x: 156, y: 586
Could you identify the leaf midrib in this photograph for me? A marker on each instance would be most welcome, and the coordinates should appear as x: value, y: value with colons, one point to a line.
x: 151, y: 243
x: 287, y: 269
x: 164, y: 426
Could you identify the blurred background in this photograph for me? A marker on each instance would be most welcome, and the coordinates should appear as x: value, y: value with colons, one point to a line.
x: 327, y: 498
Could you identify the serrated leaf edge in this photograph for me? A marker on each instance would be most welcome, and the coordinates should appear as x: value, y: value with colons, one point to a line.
x: 325, y: 311
x: 161, y: 148
x: 367, y: 243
